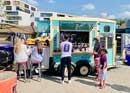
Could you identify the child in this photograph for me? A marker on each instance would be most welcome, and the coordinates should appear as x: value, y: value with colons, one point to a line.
x: 103, y: 68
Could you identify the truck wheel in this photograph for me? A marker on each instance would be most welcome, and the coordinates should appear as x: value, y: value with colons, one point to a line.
x: 83, y: 70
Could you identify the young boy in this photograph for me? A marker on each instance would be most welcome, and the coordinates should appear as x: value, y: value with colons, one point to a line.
x: 103, y: 67
x: 66, y: 51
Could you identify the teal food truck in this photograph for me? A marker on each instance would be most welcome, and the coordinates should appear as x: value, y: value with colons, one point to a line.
x: 81, y: 30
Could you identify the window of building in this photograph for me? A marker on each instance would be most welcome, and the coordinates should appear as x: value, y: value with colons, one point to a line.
x: 60, y: 15
x: 46, y: 19
x: 32, y: 15
x: 37, y: 19
x: 45, y: 14
x: 18, y: 8
x: 12, y: 22
x: 33, y: 9
x: 7, y: 3
x: 27, y: 11
x: 26, y: 6
x: 16, y: 3
x: 8, y: 7
x: 14, y: 18
x: 12, y: 13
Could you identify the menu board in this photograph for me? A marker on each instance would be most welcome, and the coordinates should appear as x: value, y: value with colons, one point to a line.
x: 76, y: 26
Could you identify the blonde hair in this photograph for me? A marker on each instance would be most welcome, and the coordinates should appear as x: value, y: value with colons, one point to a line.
x: 17, y: 46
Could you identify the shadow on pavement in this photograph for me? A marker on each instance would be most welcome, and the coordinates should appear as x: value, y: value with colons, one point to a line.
x: 52, y: 78
x: 120, y: 88
x: 89, y: 83
x: 111, y: 68
x: 114, y: 86
x: 86, y: 82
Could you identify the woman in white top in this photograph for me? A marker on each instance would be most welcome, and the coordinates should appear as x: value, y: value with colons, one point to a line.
x: 37, y: 52
x: 20, y: 51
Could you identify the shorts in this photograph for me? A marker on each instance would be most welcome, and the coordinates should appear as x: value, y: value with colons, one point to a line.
x: 103, y: 74
x: 97, y: 62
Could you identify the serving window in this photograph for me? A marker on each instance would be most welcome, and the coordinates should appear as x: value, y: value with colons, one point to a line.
x: 80, y: 40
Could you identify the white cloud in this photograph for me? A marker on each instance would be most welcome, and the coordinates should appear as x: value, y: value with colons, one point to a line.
x: 108, y: 16
x: 126, y: 6
x: 104, y: 14
x: 125, y: 14
x: 88, y: 7
x: 111, y: 17
x: 33, y: 2
x: 84, y: 15
x: 51, y: 1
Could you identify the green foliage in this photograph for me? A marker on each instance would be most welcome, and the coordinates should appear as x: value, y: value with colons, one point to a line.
x: 121, y: 21
x: 2, y: 4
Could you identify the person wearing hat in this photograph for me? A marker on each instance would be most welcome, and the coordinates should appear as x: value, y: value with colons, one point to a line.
x: 96, y: 50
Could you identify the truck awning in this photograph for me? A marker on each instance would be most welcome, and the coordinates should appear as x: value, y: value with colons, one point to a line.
x: 7, y: 28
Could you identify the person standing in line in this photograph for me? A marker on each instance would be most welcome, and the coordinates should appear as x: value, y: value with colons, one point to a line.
x: 97, y: 56
x: 21, y: 53
x: 103, y: 67
x: 66, y: 51
x: 37, y: 54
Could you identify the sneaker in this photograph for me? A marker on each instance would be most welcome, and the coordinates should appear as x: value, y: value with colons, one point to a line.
x: 98, y: 85
x: 62, y: 82
x: 36, y: 70
x: 69, y: 81
x: 101, y: 87
x: 42, y: 66
x: 21, y: 72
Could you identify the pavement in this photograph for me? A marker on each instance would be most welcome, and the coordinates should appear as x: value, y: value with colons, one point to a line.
x: 118, y: 81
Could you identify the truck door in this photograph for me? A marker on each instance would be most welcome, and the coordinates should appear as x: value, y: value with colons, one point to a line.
x: 107, y: 42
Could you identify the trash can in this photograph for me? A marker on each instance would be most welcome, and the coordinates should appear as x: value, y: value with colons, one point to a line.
x: 128, y: 56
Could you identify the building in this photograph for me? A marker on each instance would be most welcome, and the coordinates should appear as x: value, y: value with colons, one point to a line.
x: 45, y: 16
x: 18, y: 12
x: 42, y: 19
x: 23, y: 14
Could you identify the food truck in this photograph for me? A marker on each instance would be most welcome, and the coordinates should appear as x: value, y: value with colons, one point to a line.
x: 81, y: 31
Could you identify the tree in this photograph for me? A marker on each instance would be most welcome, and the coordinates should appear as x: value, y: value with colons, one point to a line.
x: 120, y: 22
x: 2, y: 14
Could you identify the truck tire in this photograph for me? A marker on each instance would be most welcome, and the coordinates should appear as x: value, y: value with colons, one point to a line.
x: 83, y: 69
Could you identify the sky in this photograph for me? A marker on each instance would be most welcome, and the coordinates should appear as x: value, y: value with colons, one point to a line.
x: 110, y: 9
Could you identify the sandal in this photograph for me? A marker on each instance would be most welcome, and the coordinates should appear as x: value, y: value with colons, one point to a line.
x: 101, y: 87
x: 98, y: 85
